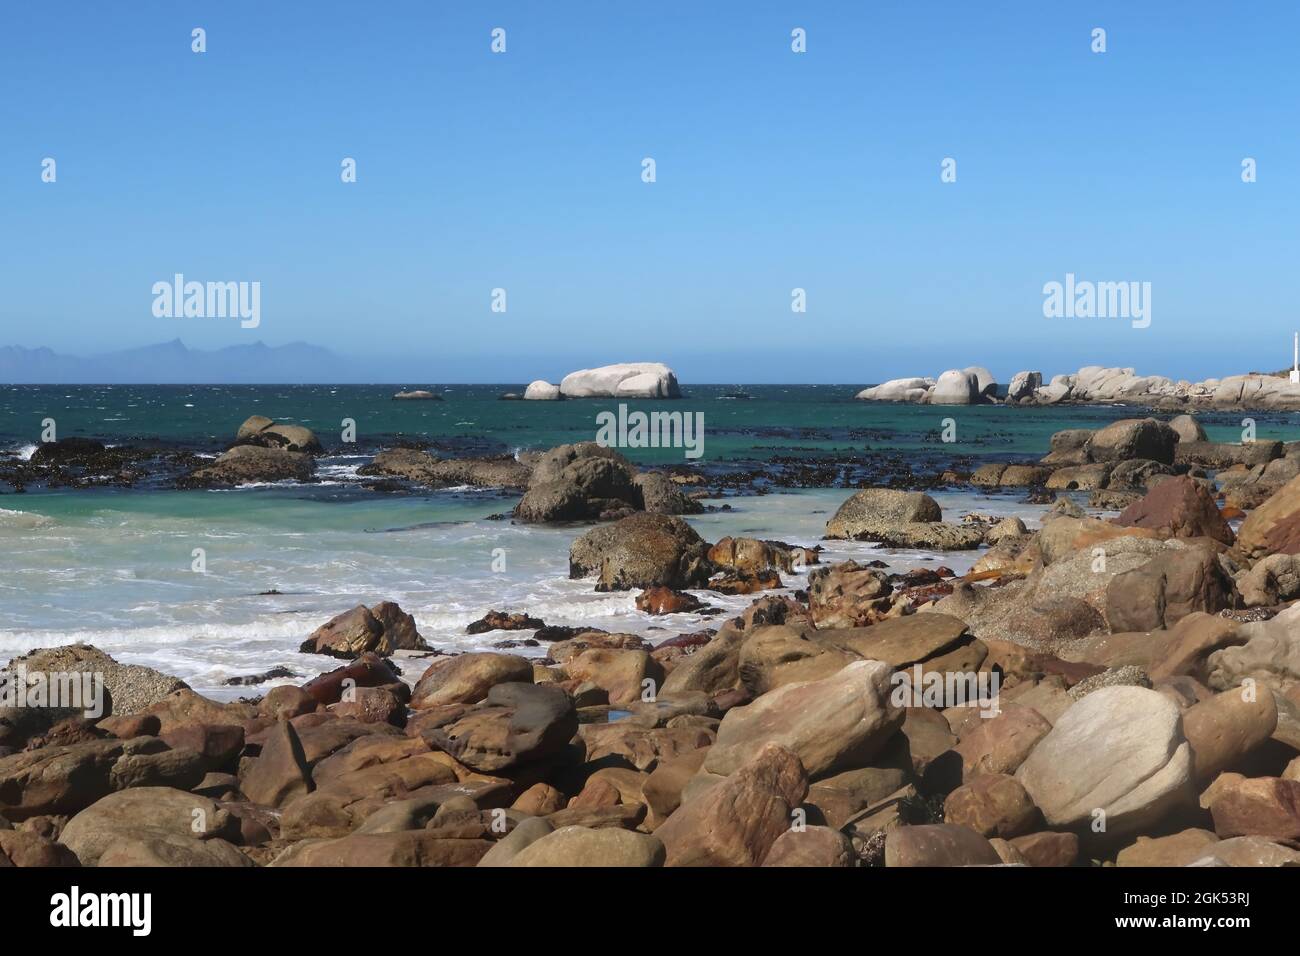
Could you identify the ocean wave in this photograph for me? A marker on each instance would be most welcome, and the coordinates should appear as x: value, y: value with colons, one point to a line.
x: 24, y: 451
x: 10, y: 518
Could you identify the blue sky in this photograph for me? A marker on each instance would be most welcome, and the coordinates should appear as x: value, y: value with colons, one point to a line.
x: 775, y: 170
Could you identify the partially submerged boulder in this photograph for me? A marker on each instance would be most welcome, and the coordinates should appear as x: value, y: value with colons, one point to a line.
x: 626, y: 380
x: 249, y: 464
x: 642, y: 551
x: 579, y: 483
x: 383, y: 629
x: 874, y: 511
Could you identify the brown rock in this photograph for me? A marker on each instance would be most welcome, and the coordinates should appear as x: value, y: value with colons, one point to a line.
x: 539, y: 800
x: 280, y: 773
x: 27, y: 849
x: 1258, y: 806
x: 737, y: 822
x: 467, y: 678
x: 624, y: 673
x: 1166, y: 589
x: 940, y: 844
x: 1046, y: 848
x: 1273, y: 527
x: 1000, y: 744
x: 1177, y: 849
x: 811, y: 846
x: 1178, y: 507
x: 1227, y: 727
x: 662, y: 790
x: 368, y: 670
x: 830, y: 724
x: 992, y: 804
x: 410, y: 848
x: 667, y: 601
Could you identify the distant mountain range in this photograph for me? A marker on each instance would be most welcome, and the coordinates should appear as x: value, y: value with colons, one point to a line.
x: 173, y: 363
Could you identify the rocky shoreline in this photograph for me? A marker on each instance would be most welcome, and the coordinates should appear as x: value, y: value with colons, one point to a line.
x: 1094, y: 384
x: 1144, y: 706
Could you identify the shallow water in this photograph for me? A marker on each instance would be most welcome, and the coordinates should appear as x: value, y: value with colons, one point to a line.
x: 114, y: 569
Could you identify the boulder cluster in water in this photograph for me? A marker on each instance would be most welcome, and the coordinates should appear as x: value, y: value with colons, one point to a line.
x: 1092, y: 384
x: 1144, y: 671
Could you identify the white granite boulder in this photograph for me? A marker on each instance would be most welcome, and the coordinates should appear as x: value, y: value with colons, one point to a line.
x: 1120, y: 751
x: 897, y: 390
x: 956, y: 387
x: 625, y: 380
x: 542, y: 391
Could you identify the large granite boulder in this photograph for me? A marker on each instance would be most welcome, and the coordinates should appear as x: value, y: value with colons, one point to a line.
x: 586, y: 846
x: 626, y: 380
x: 1134, y: 438
x: 383, y: 629
x: 1273, y: 527
x: 1270, y: 655
x: 66, y: 779
x: 1178, y: 507
x: 1167, y: 588
x: 1187, y: 428
x: 542, y: 391
x: 579, y: 483
x: 737, y: 821
x: 144, y: 812
x: 1117, y: 758
x: 516, y: 724
x: 830, y: 724
x: 1023, y: 385
x: 956, y: 387
x: 467, y: 678
x: 873, y: 511
x: 249, y: 464
x: 662, y: 496
x: 642, y: 551
x: 262, y: 431
x: 897, y: 390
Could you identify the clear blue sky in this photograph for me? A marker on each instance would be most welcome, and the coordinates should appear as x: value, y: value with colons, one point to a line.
x: 775, y: 170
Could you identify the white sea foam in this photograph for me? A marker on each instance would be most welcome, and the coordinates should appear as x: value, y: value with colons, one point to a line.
x: 131, y: 590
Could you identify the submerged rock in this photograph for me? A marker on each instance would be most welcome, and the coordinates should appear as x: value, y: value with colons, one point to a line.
x: 247, y: 464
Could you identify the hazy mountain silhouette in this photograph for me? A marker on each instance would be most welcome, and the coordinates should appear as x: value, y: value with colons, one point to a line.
x: 173, y: 363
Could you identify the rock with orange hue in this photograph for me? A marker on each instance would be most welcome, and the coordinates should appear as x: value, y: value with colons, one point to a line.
x: 1047, y: 848
x: 1000, y: 744
x: 663, y: 600
x: 539, y: 800
x: 737, y: 821
x: 840, y: 721
x: 811, y: 846
x: 467, y: 678
x: 1228, y: 727
x: 1273, y: 527
x: 991, y: 804
x: 1257, y: 806
x: 940, y: 844
x: 1178, y: 507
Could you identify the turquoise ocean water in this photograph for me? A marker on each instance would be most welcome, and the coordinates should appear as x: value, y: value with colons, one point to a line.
x: 115, y: 567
